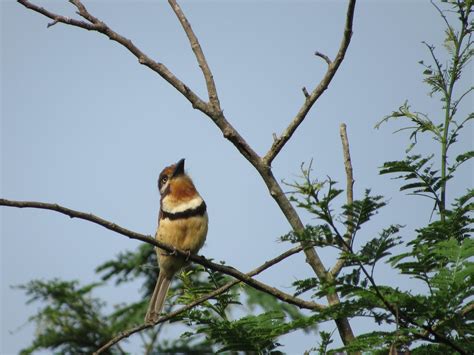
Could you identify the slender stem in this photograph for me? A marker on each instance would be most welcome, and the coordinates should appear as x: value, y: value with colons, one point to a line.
x: 349, y: 194
x: 449, y: 112
x: 199, y: 54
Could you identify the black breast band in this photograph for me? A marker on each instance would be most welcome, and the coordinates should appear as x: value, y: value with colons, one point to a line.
x: 192, y: 212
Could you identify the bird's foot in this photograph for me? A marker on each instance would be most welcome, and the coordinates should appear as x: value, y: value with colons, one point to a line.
x: 173, y: 253
x: 188, y: 254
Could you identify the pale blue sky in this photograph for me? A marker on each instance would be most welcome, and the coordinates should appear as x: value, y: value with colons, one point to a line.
x: 85, y: 126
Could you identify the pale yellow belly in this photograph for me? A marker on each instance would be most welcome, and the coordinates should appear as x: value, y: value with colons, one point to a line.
x: 186, y: 234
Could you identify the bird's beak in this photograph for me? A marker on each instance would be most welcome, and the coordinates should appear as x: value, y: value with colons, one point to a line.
x: 179, y: 168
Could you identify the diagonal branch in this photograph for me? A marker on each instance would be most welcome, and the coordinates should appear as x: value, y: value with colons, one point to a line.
x: 201, y: 59
x: 349, y: 195
x: 228, y: 270
x: 220, y: 290
x: 97, y: 25
x: 318, y: 91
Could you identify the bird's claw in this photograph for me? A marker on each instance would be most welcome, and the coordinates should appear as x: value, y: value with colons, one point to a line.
x: 188, y: 254
x: 173, y: 253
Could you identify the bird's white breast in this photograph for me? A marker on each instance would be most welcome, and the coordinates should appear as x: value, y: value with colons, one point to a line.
x: 170, y: 206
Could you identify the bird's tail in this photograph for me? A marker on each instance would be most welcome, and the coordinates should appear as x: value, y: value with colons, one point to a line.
x: 158, y: 298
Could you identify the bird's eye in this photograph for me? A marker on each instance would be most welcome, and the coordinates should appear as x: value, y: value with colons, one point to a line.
x: 164, y: 179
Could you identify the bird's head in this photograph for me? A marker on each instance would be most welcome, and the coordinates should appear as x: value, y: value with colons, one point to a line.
x: 173, y: 182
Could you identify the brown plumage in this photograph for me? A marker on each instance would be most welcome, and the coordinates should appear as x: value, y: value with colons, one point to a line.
x: 182, y: 223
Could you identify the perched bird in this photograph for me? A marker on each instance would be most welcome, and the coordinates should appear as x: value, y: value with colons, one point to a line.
x: 182, y: 223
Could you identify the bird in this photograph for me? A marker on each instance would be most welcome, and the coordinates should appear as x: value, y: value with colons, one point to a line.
x: 182, y: 223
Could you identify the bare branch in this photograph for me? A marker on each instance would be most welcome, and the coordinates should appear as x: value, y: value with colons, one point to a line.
x: 201, y: 59
x: 349, y: 193
x: 347, y: 164
x: 220, y: 290
x: 228, y: 270
x: 101, y: 27
x: 318, y: 91
x: 85, y: 216
x: 57, y: 18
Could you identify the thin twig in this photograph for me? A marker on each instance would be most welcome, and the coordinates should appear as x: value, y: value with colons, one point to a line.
x: 324, y: 56
x: 220, y: 290
x: 318, y: 91
x: 349, y: 194
x: 55, y: 17
x: 305, y: 93
x: 228, y: 270
x: 82, y: 11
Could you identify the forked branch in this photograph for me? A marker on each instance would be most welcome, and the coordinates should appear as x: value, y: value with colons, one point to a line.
x: 94, y: 24
x: 333, y: 66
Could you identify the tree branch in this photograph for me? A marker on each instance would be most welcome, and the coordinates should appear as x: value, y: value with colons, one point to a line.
x: 349, y: 194
x: 201, y: 59
x: 99, y: 26
x: 197, y: 302
x: 228, y: 270
x: 318, y: 91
